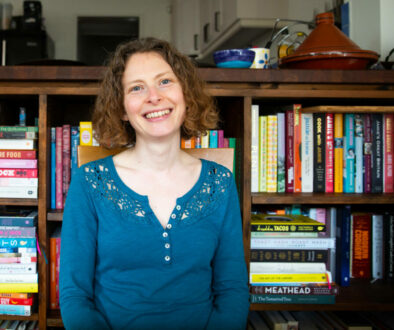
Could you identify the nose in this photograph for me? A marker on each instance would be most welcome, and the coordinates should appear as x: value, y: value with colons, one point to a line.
x: 154, y: 95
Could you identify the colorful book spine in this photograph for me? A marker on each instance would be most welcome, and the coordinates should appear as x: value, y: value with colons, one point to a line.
x: 349, y: 155
x: 377, y: 246
x: 17, y: 242
x: 6, y: 231
x: 329, y: 153
x: 255, y: 148
x: 287, y: 267
x: 319, y: 143
x: 261, y: 278
x: 293, y: 243
x: 205, y: 140
x: 74, y: 149
x: 16, y: 301
x: 289, y: 151
x: 213, y: 138
x: 307, y: 289
x: 220, y: 138
x: 288, y: 255
x: 367, y: 166
x: 18, y: 173
x: 297, y: 148
x: 18, y: 163
x: 388, y: 153
x: 18, y: 268
x: 66, y: 161
x: 21, y: 310
x: 283, y: 234
x: 18, y: 135
x: 307, y: 152
x: 232, y: 143
x: 18, y: 128
x: 18, y: 192
x: 18, y: 144
x: 188, y: 143
x: 12, y: 221
x: 59, y: 167
x: 18, y: 278
x: 272, y: 153
x: 18, y: 154
x: 263, y: 154
x: 338, y: 153
x: 361, y: 245
x: 198, y: 143
x: 18, y: 182
x: 292, y: 299
x: 18, y: 295
x: 53, y: 168
x: 85, y: 133
x: 359, y: 158
x: 281, y: 172
x: 377, y: 153
x: 343, y: 246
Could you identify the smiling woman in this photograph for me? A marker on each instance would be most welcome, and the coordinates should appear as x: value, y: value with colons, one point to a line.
x: 159, y: 240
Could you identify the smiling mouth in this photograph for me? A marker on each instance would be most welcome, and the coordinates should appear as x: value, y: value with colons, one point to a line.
x: 157, y: 114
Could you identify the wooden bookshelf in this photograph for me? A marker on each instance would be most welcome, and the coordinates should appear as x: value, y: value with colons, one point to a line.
x: 65, y: 94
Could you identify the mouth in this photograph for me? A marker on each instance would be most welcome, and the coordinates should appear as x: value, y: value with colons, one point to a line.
x: 157, y: 114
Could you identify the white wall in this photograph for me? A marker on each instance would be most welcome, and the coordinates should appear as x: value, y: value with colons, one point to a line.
x: 386, y: 28
x: 61, y: 18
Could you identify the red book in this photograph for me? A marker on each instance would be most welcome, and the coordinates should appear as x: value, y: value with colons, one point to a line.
x: 297, y: 148
x: 367, y: 152
x: 18, y: 154
x: 16, y: 301
x: 289, y: 151
x: 329, y: 153
x: 388, y: 183
x: 18, y: 173
x: 59, y: 167
x: 66, y: 159
x: 361, y: 247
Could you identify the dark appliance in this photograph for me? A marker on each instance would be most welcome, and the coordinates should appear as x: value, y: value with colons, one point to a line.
x: 32, y: 15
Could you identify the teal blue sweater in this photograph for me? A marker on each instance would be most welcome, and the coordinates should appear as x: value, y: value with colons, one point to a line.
x: 120, y: 269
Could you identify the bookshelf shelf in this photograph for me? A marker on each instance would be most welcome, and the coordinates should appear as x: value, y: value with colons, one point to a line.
x: 33, y: 317
x: 19, y: 201
x: 55, y: 215
x: 54, y: 319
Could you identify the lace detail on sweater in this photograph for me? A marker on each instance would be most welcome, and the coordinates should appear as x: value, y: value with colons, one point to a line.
x: 203, y: 202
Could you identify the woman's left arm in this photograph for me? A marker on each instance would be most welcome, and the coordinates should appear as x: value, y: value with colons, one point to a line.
x: 230, y: 278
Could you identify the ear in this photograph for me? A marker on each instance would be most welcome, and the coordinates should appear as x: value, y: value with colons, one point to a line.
x: 125, y: 117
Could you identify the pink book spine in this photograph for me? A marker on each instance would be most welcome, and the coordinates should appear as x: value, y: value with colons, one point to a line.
x: 59, y: 168
x: 321, y: 216
x: 289, y: 122
x: 10, y: 260
x: 58, y: 244
x: 226, y: 143
x: 18, y: 173
x: 367, y: 152
x: 329, y: 152
x: 18, y: 163
x: 388, y: 153
x: 66, y: 159
x: 220, y: 138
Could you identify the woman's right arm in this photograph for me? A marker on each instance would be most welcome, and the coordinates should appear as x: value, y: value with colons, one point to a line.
x: 78, y: 259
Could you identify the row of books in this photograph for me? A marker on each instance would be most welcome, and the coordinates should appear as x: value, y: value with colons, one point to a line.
x: 19, y: 324
x: 264, y: 320
x: 18, y: 261
x: 18, y: 162
x: 293, y: 151
x: 211, y: 139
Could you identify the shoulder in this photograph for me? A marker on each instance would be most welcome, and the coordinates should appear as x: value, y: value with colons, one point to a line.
x: 95, y: 170
x: 217, y: 171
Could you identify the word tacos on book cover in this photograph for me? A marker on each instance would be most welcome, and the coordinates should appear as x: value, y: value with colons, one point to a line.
x: 286, y: 223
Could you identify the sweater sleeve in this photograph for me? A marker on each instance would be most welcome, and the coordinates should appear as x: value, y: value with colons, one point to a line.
x: 78, y: 258
x: 230, y: 279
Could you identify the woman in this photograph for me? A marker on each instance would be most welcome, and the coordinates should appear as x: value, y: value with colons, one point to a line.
x: 151, y: 237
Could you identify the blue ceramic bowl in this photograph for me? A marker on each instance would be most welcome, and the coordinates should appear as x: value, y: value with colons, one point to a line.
x: 234, y: 58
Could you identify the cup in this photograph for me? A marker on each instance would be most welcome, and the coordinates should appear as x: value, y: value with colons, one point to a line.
x: 6, y: 16
x: 261, y: 59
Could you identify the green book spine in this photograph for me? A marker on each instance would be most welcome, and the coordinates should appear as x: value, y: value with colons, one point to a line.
x: 18, y: 128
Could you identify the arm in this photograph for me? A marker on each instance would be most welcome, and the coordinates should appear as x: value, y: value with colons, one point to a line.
x: 230, y: 279
x: 78, y: 258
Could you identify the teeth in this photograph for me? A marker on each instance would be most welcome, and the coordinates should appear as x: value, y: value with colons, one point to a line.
x: 157, y: 114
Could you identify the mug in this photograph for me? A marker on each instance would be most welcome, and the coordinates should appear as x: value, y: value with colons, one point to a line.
x: 261, y: 58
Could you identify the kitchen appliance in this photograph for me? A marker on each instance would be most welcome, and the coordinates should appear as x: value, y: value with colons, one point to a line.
x: 32, y: 15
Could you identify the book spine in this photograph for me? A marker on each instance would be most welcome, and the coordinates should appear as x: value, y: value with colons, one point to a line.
x: 349, y: 154
x: 52, y: 280
x: 343, y: 236
x: 272, y: 153
x: 292, y: 299
x: 262, y: 154
x: 319, y: 134
x: 18, y: 278
x: 367, y: 152
x: 281, y: 172
x: 377, y: 246
x: 220, y: 138
x: 283, y: 234
x: 292, y: 243
x: 388, y: 153
x: 289, y: 151
x: 85, y: 133
x: 19, y: 268
x: 18, y: 154
x: 288, y: 255
x: 18, y: 135
x: 388, y: 233
x: 361, y: 251
x: 255, y: 148
x: 287, y: 267
x: 18, y: 163
x: 58, y: 245
x: 18, y: 128
x: 307, y: 152
x: 74, y: 149
x: 205, y: 140
x: 18, y: 192
x: 21, y: 310
x: 18, y: 144
x: 16, y: 295
x: 59, y: 167
x: 18, y: 182
x: 232, y: 143
x: 213, y: 138
x: 16, y: 301
x: 198, y: 143
x: 23, y: 222
x: 338, y: 153
x: 377, y: 153
x: 329, y: 153
x: 359, y: 142
x: 331, y: 231
x: 289, y: 278
x: 66, y: 150
x: 308, y: 289
x: 18, y: 173
x: 297, y: 147
x: 25, y: 232
x: 17, y: 242
x: 53, y: 168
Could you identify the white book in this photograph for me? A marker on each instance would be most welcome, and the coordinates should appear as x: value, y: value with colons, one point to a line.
x: 18, y: 182
x: 359, y: 159
x: 18, y: 278
x: 205, y: 140
x: 17, y: 144
x: 287, y: 267
x: 377, y: 246
x: 18, y: 192
x: 282, y: 234
x: 16, y: 268
x: 292, y: 243
x: 307, y: 152
x: 255, y: 148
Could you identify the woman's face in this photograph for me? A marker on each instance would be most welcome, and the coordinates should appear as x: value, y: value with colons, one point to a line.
x: 153, y: 97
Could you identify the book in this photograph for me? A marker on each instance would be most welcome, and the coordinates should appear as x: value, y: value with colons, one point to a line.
x: 281, y: 157
x: 255, y: 148
x: 188, y: 143
x: 232, y: 143
x: 304, y: 289
x: 18, y: 182
x: 289, y: 151
x: 17, y: 242
x: 262, y: 152
x: 297, y: 147
x: 349, y: 154
x: 18, y: 135
x: 272, y: 153
x: 19, y: 287
x: 283, y: 234
x: 220, y: 138
x: 213, y: 138
x: 16, y: 295
x: 18, y: 192
x: 18, y: 154
x: 85, y: 133
x: 18, y: 268
x: 74, y: 149
x: 361, y: 245
x: 287, y: 267
x: 17, y: 231
x: 293, y: 243
x: 18, y: 163
x: 22, y: 310
x: 285, y: 223
x: 19, y: 129
x: 343, y: 246
x: 204, y: 139
x: 18, y: 173
x: 367, y: 156
x: 307, y: 152
x: 338, y: 153
x: 377, y: 246
x: 18, y: 217
x: 292, y: 299
x: 18, y: 278
x: 329, y: 153
x: 377, y: 153
x: 59, y: 167
x: 331, y: 230
x: 16, y: 301
x: 388, y: 153
x: 359, y: 158
x: 319, y: 144
x: 288, y: 255
x: 53, y: 168
x: 388, y: 235
x: 18, y: 144
x: 66, y: 159
x: 54, y: 266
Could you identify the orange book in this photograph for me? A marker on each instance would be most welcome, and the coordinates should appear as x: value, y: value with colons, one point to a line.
x: 189, y: 143
x: 338, y: 152
x: 297, y: 147
x: 16, y: 295
x: 52, y: 277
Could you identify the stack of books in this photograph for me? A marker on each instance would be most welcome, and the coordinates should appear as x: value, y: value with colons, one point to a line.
x: 289, y: 261
x: 18, y: 261
x: 18, y: 162
x: 19, y: 324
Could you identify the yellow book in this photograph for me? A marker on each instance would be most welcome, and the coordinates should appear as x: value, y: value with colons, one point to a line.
x: 272, y: 153
x: 285, y: 223
x: 338, y: 152
x: 256, y: 278
x: 85, y: 133
x: 205, y: 140
x: 263, y: 154
x: 18, y: 287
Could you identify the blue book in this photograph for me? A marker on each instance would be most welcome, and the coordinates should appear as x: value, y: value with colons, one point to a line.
x: 343, y: 246
x: 292, y: 299
x: 53, y: 167
x: 18, y: 242
x: 359, y: 159
x: 349, y: 154
x: 23, y: 310
x: 213, y: 138
x: 74, y: 149
x: 20, y: 217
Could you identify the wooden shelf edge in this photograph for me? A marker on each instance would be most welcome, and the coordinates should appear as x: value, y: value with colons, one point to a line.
x: 55, y: 215
x: 19, y: 201
x: 33, y: 317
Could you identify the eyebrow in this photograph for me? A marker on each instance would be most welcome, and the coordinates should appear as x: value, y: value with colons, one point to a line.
x: 156, y: 77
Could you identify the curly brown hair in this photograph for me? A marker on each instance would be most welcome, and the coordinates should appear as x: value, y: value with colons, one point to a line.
x: 113, y: 132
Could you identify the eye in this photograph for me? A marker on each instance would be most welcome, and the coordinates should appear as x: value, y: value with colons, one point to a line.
x: 165, y: 81
x: 135, y: 89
